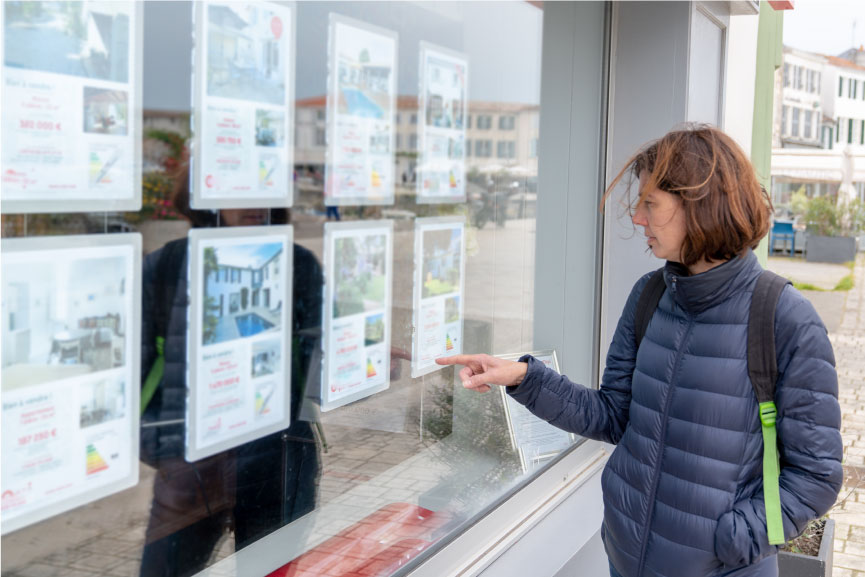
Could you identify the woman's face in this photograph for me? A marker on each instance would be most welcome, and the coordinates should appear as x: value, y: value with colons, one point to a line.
x: 663, y: 220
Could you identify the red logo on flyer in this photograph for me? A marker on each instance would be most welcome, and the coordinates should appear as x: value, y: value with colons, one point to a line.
x: 208, y: 180
x: 276, y: 27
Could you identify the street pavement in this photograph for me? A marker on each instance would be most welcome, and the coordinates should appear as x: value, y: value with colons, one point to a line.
x: 849, y: 512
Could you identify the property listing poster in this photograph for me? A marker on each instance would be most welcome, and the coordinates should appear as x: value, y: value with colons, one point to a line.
x: 357, y: 311
x: 444, y: 109
x: 240, y: 337
x: 535, y: 440
x: 70, y: 376
x: 244, y: 103
x: 71, y: 106
x: 438, y: 291
x: 361, y: 103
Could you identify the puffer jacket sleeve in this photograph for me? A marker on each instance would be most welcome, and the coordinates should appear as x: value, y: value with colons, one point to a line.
x: 597, y: 414
x: 809, y: 438
x: 148, y: 306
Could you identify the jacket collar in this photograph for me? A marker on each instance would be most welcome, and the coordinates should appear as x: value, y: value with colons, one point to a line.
x: 699, y: 292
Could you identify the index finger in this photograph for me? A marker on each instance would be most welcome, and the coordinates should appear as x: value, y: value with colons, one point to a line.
x: 455, y: 360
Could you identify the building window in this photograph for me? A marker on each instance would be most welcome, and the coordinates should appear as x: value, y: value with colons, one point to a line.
x: 819, y: 79
x: 533, y: 148
x: 851, y: 87
x: 320, y: 137
x: 412, y: 142
x: 320, y: 114
x: 469, y: 122
x: 786, y: 75
x: 795, y: 123
x: 397, y: 121
x: 399, y: 141
x: 483, y: 148
x: 414, y: 118
x: 784, y: 120
x: 506, y: 122
x: 506, y: 149
x: 799, y: 83
x: 849, y: 131
x: 485, y: 122
x: 840, y: 86
x: 807, y: 128
x: 468, y: 147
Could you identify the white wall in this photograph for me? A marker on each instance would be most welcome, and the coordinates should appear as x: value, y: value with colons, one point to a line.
x: 741, y: 78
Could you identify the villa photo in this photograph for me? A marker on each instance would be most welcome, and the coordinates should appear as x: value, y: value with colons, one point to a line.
x: 452, y: 309
x: 102, y: 401
x: 105, y: 111
x: 360, y: 274
x: 246, y: 53
x: 441, y: 261
x: 63, y: 318
x: 269, y: 128
x: 86, y: 39
x: 265, y: 357
x: 364, y: 65
x: 243, y: 288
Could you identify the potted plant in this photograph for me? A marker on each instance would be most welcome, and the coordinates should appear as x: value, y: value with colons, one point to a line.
x: 809, y: 554
x: 833, y: 229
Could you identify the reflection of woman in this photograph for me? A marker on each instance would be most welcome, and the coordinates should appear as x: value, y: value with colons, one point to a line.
x: 683, y: 491
x: 255, y: 488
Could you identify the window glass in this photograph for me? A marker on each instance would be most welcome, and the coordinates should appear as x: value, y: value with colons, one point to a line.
x: 795, y: 123
x: 807, y: 128
x: 304, y: 257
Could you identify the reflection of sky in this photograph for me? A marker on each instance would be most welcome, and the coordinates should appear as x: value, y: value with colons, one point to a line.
x: 501, y: 39
x: 247, y: 255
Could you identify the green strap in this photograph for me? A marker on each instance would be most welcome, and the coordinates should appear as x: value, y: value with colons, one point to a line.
x: 771, y: 492
x: 154, y: 377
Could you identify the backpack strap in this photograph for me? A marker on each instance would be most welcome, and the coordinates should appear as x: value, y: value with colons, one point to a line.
x: 763, y: 371
x: 165, y: 279
x: 648, y: 302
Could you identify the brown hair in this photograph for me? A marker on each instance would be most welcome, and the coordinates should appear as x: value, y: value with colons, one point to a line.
x: 727, y: 211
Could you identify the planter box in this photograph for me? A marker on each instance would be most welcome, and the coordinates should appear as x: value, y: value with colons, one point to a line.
x: 835, y: 249
x: 796, y: 565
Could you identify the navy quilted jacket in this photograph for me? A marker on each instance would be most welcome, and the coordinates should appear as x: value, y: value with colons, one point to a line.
x: 683, y: 489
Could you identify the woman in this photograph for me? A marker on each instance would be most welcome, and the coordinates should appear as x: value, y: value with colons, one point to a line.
x: 683, y: 489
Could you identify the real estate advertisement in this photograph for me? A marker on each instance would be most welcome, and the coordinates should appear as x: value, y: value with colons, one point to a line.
x: 70, y: 376
x: 444, y: 109
x: 357, y: 310
x: 438, y: 292
x: 71, y: 128
x: 240, y: 336
x: 361, y: 103
x: 535, y: 440
x: 244, y: 104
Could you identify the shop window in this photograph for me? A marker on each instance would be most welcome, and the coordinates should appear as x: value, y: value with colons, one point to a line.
x: 300, y: 399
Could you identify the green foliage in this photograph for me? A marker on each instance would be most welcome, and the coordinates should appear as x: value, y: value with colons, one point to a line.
x: 827, y: 218
x: 845, y: 283
x: 799, y: 203
x: 822, y: 217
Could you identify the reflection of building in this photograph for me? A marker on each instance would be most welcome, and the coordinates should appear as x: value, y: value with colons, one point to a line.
x: 499, y: 136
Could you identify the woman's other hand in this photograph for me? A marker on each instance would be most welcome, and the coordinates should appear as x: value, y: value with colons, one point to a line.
x: 481, y: 371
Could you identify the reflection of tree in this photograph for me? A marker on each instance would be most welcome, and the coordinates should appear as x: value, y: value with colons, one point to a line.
x: 211, y: 266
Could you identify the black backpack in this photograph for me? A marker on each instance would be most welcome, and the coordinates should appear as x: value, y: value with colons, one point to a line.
x: 762, y: 369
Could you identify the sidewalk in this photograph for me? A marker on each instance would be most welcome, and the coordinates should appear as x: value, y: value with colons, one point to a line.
x: 849, y: 512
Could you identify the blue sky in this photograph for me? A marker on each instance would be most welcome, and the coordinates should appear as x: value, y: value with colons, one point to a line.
x: 247, y: 255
